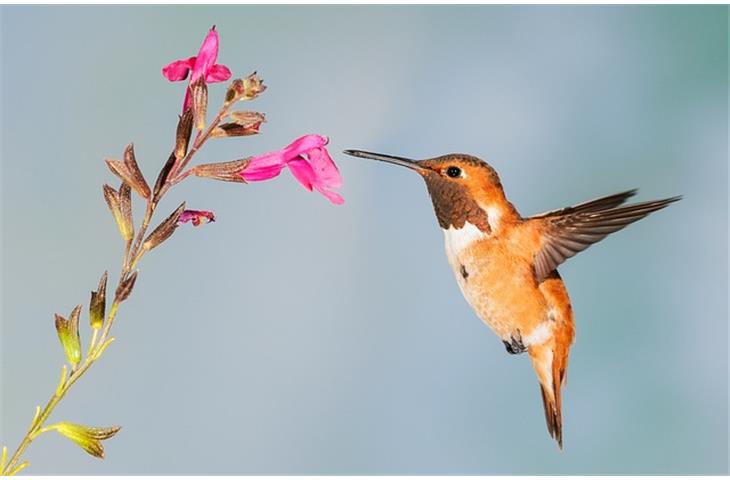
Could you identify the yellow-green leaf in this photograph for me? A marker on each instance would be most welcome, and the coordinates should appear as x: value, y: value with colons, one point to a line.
x: 17, y: 469
x: 68, y: 333
x: 88, y: 438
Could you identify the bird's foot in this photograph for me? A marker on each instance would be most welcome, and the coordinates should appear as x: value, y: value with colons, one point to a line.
x: 515, y: 346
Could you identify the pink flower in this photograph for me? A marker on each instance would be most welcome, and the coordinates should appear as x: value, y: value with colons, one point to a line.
x: 197, y: 217
x: 203, y: 65
x: 309, y: 162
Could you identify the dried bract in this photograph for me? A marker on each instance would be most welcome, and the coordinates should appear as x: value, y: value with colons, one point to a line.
x: 224, y: 171
x: 199, y: 92
x: 138, y: 182
x: 182, y: 135
x: 235, y: 130
x: 112, y: 200
x: 128, y: 171
x: 164, y: 230
x: 124, y: 290
x: 244, y: 123
x: 125, y: 207
x: 97, y: 305
x: 164, y: 174
x: 246, y: 118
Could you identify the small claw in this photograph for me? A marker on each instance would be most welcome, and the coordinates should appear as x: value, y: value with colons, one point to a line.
x: 515, y: 346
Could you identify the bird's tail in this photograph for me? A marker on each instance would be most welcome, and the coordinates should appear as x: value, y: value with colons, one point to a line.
x: 550, y: 364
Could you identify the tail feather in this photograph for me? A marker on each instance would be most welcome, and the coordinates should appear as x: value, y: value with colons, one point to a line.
x: 553, y: 416
x: 550, y: 359
x: 551, y: 366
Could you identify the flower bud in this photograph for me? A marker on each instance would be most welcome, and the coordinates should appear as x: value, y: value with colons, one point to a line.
x: 253, y: 86
x: 246, y: 89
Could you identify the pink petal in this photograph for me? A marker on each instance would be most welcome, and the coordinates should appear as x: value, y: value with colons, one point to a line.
x: 197, y: 217
x: 178, y: 70
x: 309, y: 162
x: 324, y: 168
x: 266, y: 160
x: 206, y: 56
x: 303, y: 145
x: 217, y: 73
x: 261, y: 173
x: 303, y: 172
x: 187, y: 102
x: 333, y: 197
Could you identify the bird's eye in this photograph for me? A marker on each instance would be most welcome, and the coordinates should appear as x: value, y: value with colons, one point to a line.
x: 453, y: 172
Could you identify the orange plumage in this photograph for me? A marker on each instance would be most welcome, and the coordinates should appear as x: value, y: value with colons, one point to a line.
x: 506, y: 265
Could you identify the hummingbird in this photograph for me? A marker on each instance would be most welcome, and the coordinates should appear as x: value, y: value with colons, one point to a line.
x: 506, y: 264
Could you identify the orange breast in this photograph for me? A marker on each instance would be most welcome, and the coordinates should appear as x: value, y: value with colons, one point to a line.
x: 495, y: 274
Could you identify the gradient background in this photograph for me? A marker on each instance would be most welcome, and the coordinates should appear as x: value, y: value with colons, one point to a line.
x: 293, y: 336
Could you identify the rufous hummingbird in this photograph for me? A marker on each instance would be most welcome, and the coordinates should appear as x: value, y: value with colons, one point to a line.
x: 506, y: 264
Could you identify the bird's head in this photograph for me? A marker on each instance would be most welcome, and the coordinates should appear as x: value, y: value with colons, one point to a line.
x: 462, y: 187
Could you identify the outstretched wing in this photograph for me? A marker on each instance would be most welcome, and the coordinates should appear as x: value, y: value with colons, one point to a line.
x: 570, y: 230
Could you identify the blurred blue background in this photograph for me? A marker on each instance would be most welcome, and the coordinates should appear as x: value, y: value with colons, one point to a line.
x: 293, y: 336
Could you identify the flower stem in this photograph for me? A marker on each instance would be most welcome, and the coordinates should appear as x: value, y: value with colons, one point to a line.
x: 133, y: 252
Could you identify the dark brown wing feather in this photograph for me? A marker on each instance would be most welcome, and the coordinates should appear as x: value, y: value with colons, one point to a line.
x: 573, y: 229
x: 602, y: 203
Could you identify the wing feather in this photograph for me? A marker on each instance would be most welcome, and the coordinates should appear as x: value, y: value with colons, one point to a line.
x: 571, y: 230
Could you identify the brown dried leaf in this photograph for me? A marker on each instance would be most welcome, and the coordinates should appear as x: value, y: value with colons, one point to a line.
x: 124, y: 290
x: 224, y: 171
x: 164, y: 229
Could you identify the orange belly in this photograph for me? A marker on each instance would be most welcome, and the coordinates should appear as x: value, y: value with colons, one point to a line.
x: 500, y: 287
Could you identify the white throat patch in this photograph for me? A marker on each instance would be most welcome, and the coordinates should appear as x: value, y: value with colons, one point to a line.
x: 457, y: 239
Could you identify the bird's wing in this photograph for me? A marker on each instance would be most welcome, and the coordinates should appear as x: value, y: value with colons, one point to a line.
x: 570, y: 230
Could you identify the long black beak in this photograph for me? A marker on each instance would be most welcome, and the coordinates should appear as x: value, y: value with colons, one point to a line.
x: 404, y: 162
